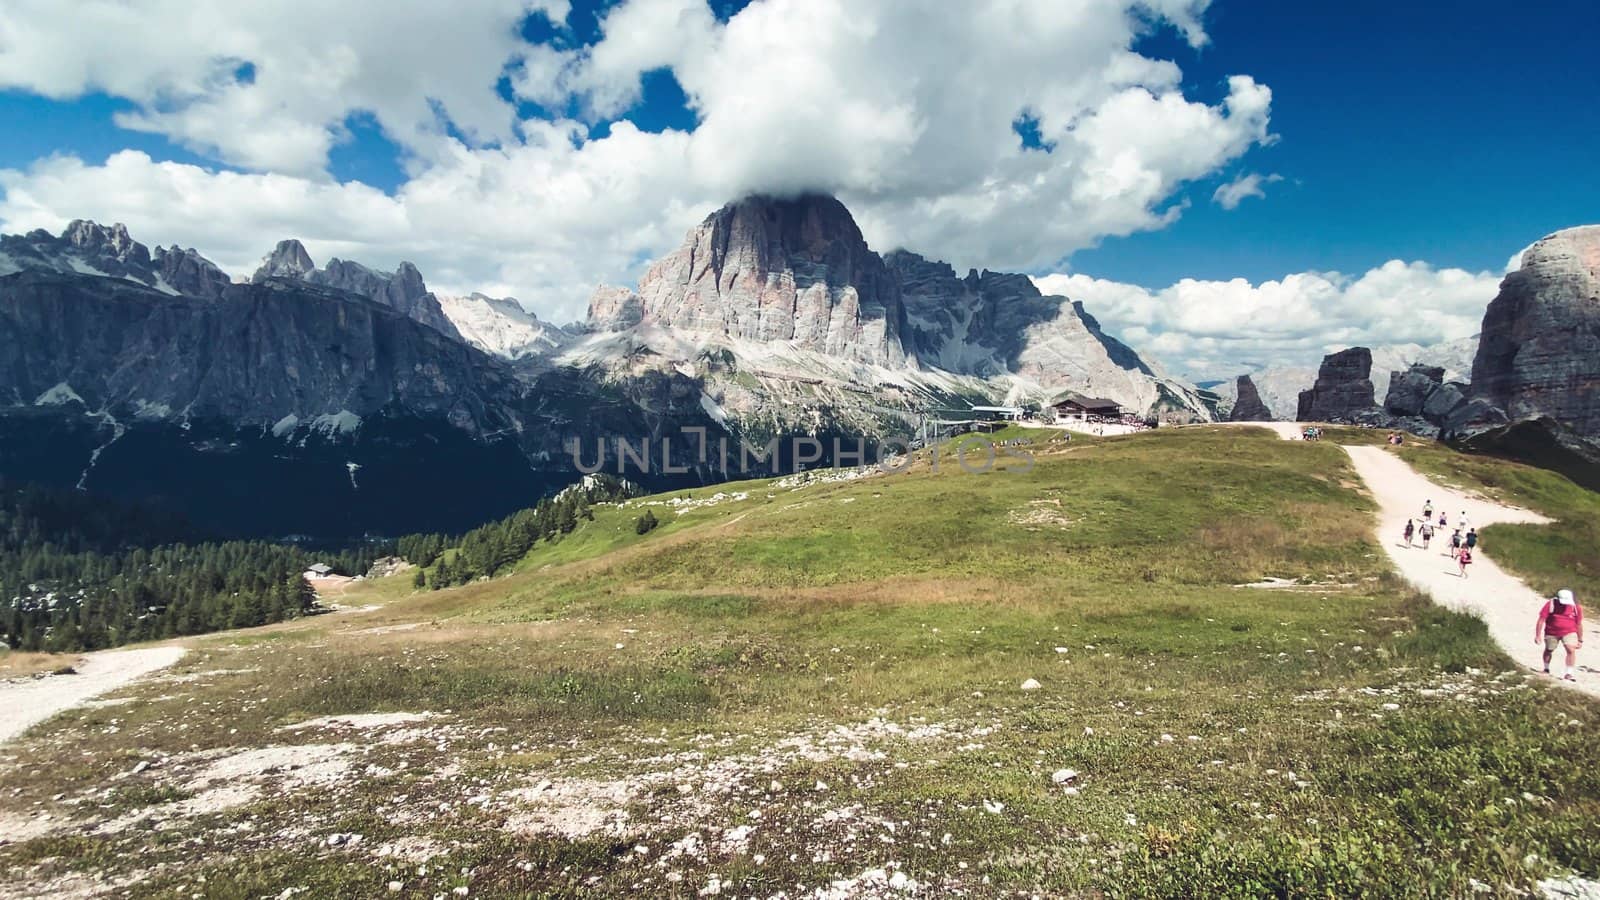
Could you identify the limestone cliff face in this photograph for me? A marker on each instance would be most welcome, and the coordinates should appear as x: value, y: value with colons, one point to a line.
x: 796, y: 274
x: 1248, y: 405
x: 1343, y: 391
x: 256, y: 355
x: 1539, y: 355
x: 402, y: 290
x: 770, y: 269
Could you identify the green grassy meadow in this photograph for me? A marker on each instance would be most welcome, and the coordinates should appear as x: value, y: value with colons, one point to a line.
x: 820, y: 687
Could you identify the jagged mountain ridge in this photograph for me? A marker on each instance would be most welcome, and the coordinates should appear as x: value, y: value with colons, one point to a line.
x: 287, y: 407
x: 86, y: 248
x: 315, y: 400
x: 402, y: 290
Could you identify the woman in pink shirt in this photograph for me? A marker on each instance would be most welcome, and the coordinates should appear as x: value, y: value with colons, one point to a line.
x: 1560, y: 623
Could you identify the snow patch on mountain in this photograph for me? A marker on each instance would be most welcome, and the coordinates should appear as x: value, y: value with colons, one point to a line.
x: 713, y: 410
x: 342, y: 422
x: 60, y: 395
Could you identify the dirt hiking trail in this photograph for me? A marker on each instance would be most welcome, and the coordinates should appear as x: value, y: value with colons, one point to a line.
x: 26, y: 703
x: 1504, y: 602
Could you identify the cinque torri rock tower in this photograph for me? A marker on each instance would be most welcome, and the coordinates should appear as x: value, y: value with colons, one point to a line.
x: 1540, y: 351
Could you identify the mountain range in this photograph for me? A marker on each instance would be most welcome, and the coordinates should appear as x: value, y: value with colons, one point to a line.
x: 340, y: 400
x: 337, y: 400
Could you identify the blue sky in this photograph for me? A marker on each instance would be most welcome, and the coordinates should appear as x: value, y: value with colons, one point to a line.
x: 1402, y: 131
x: 1455, y: 135
x: 1442, y: 139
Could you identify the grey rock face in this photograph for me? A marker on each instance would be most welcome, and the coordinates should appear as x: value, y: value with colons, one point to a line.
x: 288, y: 259
x: 1540, y: 349
x: 1409, y: 389
x: 1343, y: 391
x: 86, y: 248
x: 614, y: 309
x: 798, y: 271
x: 993, y: 323
x: 190, y: 273
x: 108, y: 243
x: 1445, y: 400
x: 254, y: 356
x: 402, y: 290
x: 770, y: 269
x: 1248, y: 407
x: 1476, y: 414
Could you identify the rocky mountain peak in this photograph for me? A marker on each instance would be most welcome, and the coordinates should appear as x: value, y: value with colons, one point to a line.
x: 409, y: 280
x: 187, y: 272
x: 1571, y: 252
x: 1539, y: 354
x: 288, y: 259
x: 771, y: 269
x: 1343, y: 391
x: 88, y: 248
x: 111, y: 241
x: 1248, y: 405
x: 402, y: 290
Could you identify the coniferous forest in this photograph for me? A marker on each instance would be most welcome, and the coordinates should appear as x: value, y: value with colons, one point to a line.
x: 495, y: 547
x: 81, y: 573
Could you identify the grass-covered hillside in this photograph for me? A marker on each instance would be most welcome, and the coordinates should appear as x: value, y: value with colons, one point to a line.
x: 816, y: 688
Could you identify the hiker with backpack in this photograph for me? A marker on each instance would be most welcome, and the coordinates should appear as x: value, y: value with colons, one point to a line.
x: 1455, y: 544
x: 1411, y: 527
x: 1464, y: 559
x: 1560, y: 623
x: 1471, y: 541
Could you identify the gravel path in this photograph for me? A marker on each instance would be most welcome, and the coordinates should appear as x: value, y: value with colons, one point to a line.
x: 1504, y: 602
x: 24, y: 704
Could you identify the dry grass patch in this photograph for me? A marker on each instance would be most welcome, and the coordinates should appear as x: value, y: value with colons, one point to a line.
x: 17, y: 664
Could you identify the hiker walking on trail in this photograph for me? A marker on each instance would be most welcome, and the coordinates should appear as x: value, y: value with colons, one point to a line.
x: 1427, y: 533
x: 1455, y: 544
x: 1444, y: 519
x: 1411, y: 527
x: 1464, y: 559
x: 1427, y: 511
x: 1471, y: 540
x: 1462, y: 522
x: 1560, y: 623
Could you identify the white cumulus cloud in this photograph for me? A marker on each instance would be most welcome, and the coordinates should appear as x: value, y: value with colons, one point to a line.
x: 415, y: 65
x: 907, y: 116
x: 1235, y: 192
x: 1214, y: 329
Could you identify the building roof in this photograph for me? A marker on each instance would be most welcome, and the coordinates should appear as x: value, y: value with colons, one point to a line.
x: 1073, y: 398
x: 1007, y: 410
x: 319, y: 568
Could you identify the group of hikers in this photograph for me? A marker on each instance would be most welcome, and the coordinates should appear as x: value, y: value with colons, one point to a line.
x: 1311, y: 434
x: 1560, y: 620
x: 1463, y: 541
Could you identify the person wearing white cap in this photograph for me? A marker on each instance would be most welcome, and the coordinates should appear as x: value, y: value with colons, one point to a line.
x: 1560, y: 624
